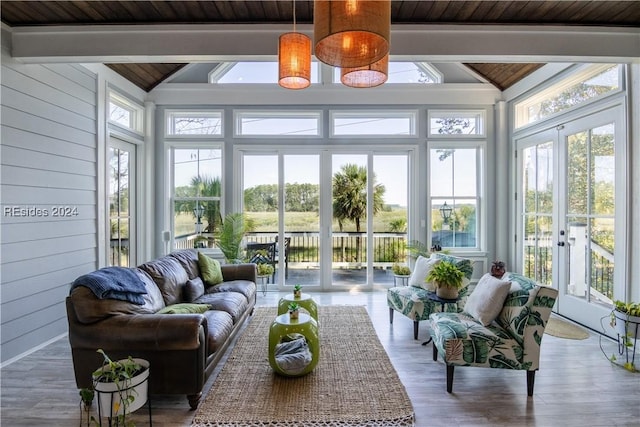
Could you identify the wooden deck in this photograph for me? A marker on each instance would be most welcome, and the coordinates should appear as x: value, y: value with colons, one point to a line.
x: 576, y: 384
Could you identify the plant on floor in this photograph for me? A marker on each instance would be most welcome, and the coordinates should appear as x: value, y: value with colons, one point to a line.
x: 294, y: 310
x: 229, y: 237
x: 119, y: 374
x: 86, y: 400
x: 297, y: 291
x: 448, y: 279
x: 625, y: 318
x: 265, y: 269
x: 400, y: 269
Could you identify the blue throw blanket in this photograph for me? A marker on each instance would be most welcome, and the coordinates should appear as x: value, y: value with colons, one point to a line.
x: 115, y: 283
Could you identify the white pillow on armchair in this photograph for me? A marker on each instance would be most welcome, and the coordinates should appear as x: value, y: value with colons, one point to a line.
x: 420, y: 272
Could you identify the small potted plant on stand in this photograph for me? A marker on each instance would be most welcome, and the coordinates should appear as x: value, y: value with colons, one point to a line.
x: 625, y: 319
x: 297, y: 291
x: 402, y: 272
x: 294, y: 311
x: 448, y: 279
x: 86, y: 401
x: 122, y: 387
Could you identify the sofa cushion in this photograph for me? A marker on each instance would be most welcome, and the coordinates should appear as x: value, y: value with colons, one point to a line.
x: 233, y: 303
x: 90, y: 309
x: 193, y: 289
x: 210, y: 270
x: 420, y: 272
x: 188, y: 259
x: 245, y: 287
x: 184, y: 308
x: 486, y: 300
x: 219, y: 328
x: 170, y: 277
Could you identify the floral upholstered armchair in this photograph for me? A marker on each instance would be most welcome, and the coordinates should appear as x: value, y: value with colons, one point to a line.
x: 510, y: 341
x: 413, y: 301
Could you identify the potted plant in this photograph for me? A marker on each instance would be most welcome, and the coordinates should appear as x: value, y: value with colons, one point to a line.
x: 265, y: 269
x: 297, y: 291
x: 625, y: 319
x: 121, y: 386
x: 229, y: 236
x: 86, y: 400
x: 294, y: 310
x: 400, y: 270
x: 447, y: 278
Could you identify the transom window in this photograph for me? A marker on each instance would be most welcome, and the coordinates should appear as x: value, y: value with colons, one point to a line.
x: 124, y: 112
x: 278, y: 123
x: 253, y: 72
x: 371, y: 123
x: 194, y: 123
x: 456, y: 123
x: 591, y: 82
x: 407, y: 72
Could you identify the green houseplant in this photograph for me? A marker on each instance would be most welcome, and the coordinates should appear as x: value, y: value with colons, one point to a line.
x: 448, y: 279
x: 265, y: 269
x: 297, y: 291
x: 625, y: 319
x: 121, y: 387
x: 400, y: 269
x: 294, y: 310
x: 229, y: 236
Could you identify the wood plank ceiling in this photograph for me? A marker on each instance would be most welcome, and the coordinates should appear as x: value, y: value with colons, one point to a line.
x: 147, y: 76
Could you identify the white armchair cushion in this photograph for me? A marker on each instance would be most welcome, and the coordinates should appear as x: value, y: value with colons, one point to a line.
x: 487, y: 299
x: 421, y: 271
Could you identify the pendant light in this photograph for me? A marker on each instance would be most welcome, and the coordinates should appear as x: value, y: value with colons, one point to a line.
x: 351, y: 33
x: 368, y: 76
x: 294, y: 58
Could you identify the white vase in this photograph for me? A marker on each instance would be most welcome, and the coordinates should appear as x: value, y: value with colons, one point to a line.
x: 626, y: 325
x: 109, y: 396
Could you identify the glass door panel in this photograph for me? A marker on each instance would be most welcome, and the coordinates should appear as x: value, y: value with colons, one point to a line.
x: 121, y: 202
x: 537, y: 211
x: 301, y: 220
x: 390, y: 215
x: 349, y: 225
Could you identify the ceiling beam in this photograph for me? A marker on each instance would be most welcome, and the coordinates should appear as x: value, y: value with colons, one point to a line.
x: 206, y: 43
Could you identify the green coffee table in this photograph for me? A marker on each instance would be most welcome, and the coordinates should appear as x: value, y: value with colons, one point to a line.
x: 305, y: 301
x: 283, y: 327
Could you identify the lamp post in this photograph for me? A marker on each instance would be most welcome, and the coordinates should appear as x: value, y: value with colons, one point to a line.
x: 445, y: 211
x: 198, y: 211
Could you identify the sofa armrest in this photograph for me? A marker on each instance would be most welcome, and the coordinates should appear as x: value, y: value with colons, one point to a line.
x: 245, y: 271
x: 146, y: 332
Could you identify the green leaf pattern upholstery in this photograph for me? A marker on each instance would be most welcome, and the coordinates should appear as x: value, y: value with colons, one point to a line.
x: 413, y: 302
x: 511, y: 342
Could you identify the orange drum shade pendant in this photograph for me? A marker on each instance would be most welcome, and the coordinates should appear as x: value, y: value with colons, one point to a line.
x: 351, y: 33
x: 368, y: 76
x: 294, y: 58
x: 294, y: 61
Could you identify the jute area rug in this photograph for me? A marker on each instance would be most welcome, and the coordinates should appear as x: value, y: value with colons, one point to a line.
x: 563, y: 329
x: 353, y: 384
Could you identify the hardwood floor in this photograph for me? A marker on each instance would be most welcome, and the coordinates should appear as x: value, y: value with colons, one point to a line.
x: 575, y: 386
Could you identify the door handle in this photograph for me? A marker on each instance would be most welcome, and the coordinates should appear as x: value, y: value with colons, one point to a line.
x: 560, y: 243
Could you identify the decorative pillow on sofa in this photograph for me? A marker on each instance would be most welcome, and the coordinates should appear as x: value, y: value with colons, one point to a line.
x: 487, y: 299
x: 421, y: 271
x: 193, y: 289
x: 184, y: 308
x: 210, y: 270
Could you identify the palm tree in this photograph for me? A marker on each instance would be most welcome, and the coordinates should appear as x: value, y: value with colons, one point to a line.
x: 350, y: 198
x: 206, y: 186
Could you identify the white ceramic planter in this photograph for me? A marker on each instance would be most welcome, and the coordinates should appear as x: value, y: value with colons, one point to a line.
x: 627, y: 325
x: 109, y: 397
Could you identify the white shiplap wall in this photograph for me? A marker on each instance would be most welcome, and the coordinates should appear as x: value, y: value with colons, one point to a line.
x: 47, y: 160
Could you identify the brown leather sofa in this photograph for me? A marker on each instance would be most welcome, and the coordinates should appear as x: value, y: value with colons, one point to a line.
x: 182, y: 349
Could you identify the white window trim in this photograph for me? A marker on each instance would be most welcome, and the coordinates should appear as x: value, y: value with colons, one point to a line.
x: 136, y: 110
x: 238, y: 115
x: 412, y: 115
x: 481, y: 114
x: 169, y: 115
x: 432, y: 71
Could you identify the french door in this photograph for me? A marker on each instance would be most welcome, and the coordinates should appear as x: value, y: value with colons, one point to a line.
x: 572, y: 222
x: 122, y: 196
x: 339, y: 218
